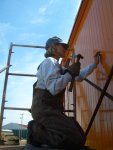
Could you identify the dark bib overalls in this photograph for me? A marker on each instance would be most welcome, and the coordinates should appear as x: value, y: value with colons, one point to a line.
x: 51, y: 126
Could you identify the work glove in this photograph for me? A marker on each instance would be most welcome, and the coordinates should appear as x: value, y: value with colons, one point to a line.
x: 74, y: 69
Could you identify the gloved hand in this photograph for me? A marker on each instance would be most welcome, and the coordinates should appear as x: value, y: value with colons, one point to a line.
x: 74, y: 69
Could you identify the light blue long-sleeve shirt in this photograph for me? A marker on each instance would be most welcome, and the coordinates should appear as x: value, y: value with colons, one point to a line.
x: 49, y: 75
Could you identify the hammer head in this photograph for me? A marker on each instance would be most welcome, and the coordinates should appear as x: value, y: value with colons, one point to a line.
x: 79, y: 56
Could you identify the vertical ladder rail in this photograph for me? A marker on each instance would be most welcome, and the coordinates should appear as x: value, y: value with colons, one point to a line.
x: 5, y: 88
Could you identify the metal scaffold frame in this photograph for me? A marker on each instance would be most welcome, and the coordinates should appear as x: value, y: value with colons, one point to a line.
x: 6, y: 81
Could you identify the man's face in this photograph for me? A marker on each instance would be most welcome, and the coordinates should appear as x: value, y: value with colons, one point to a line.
x: 60, y: 50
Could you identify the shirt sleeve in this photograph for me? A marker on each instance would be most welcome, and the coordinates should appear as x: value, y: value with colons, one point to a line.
x: 85, y: 72
x: 53, y: 80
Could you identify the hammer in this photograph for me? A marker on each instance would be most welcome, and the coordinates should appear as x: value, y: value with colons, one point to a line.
x: 79, y: 56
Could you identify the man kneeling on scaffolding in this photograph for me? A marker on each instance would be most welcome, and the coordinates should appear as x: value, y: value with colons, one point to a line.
x: 50, y: 126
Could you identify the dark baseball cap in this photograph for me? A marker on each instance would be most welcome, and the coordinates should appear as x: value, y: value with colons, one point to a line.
x: 55, y: 40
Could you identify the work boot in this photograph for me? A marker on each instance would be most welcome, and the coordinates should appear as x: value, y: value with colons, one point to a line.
x: 29, y: 131
x: 29, y: 134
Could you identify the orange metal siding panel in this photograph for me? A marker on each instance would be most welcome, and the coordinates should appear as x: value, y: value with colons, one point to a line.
x: 96, y: 34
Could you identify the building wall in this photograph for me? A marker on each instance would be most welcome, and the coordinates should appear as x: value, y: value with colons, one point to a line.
x: 95, y: 33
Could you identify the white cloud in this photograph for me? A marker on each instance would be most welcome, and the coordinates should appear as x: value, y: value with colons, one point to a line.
x: 25, y: 35
x: 51, y: 2
x: 40, y: 17
x: 6, y: 27
x: 42, y: 10
x: 31, y: 36
x: 39, y: 20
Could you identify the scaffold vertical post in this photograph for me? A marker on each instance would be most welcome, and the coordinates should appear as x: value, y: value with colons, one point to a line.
x: 5, y: 88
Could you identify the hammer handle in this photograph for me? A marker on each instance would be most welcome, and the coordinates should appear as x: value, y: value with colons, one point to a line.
x: 79, y: 56
x: 73, y: 79
x: 71, y: 84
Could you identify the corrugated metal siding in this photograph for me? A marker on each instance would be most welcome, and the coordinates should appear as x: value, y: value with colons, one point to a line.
x: 96, y: 35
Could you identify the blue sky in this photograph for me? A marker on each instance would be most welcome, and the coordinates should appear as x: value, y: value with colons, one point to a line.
x: 29, y: 22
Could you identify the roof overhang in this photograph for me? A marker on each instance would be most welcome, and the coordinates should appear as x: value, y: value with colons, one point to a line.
x: 77, y: 26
